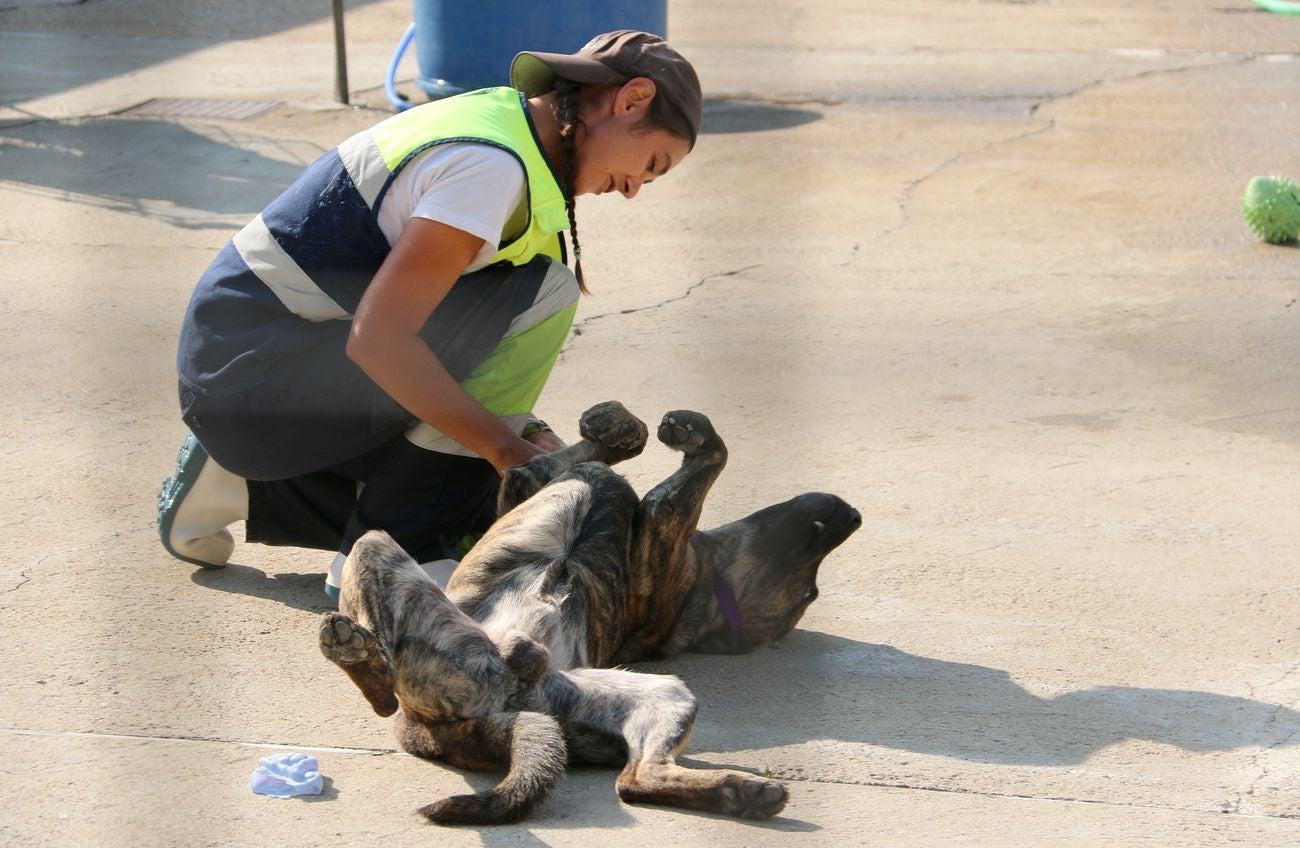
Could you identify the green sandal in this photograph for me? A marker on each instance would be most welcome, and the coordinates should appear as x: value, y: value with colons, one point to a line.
x: 189, y: 462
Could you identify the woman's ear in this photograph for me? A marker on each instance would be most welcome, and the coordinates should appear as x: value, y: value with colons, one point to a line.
x: 635, y: 97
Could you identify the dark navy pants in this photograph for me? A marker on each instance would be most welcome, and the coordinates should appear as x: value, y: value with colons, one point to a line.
x: 324, y: 449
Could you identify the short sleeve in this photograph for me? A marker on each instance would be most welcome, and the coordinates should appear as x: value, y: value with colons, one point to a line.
x: 470, y: 186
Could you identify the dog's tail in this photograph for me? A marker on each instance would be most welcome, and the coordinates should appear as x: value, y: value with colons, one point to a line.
x: 534, y: 746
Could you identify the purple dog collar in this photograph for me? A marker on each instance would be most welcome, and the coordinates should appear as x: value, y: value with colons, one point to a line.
x: 726, y: 597
x: 727, y: 603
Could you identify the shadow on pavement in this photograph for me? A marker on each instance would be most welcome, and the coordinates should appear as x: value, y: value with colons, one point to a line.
x: 156, y: 169
x: 299, y: 591
x: 817, y: 686
x: 81, y: 43
x: 722, y: 117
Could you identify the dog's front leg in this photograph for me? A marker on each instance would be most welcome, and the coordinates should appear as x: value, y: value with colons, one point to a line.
x: 671, y: 510
x: 662, y: 567
x: 610, y: 434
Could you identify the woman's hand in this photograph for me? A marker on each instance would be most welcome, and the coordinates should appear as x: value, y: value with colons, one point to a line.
x: 542, y: 441
x: 515, y: 455
x: 546, y: 440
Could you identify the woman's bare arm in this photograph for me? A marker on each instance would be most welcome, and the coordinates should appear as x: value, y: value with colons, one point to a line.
x: 384, y: 341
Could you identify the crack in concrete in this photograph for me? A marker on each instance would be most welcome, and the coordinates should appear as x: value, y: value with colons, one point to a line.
x: 581, y: 325
x: 25, y: 577
x: 1142, y: 75
x: 981, y: 793
x: 244, y: 743
x: 904, y: 197
x: 791, y: 778
x: 1256, y: 761
x: 26, y: 573
x: 1037, y: 99
x: 968, y: 554
x: 1282, y: 411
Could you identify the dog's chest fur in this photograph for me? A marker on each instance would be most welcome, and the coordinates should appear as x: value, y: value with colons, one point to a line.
x: 560, y: 568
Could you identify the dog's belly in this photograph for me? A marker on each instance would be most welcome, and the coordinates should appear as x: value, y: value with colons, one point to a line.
x: 526, y: 607
x: 555, y: 568
x: 541, y: 530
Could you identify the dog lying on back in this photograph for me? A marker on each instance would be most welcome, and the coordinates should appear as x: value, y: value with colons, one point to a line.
x: 510, y: 667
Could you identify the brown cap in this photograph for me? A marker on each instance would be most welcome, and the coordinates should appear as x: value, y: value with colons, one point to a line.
x: 614, y: 58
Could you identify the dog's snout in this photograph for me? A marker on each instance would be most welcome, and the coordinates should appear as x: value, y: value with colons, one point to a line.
x: 855, y: 520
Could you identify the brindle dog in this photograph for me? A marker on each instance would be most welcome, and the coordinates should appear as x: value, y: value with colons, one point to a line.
x: 510, y: 666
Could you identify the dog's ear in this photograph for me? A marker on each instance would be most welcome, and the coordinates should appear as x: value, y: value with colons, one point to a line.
x: 527, y: 658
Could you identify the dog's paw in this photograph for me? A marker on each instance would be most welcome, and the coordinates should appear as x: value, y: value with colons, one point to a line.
x: 481, y: 808
x: 345, y: 642
x: 753, y: 797
x: 685, y: 431
x: 612, y: 426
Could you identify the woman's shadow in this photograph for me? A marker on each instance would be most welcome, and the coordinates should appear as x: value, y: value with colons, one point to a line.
x: 299, y: 590
x: 817, y: 686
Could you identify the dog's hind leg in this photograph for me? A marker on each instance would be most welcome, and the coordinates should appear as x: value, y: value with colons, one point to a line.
x: 530, y: 744
x: 610, y: 434
x: 654, y: 777
x: 355, y: 649
x: 654, y: 715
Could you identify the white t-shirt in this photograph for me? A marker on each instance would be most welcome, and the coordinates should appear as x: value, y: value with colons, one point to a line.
x: 472, y: 187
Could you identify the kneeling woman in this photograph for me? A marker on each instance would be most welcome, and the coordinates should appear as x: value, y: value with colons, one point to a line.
x: 367, y: 352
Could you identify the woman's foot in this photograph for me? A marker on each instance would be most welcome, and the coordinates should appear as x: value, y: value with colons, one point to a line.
x: 197, y: 504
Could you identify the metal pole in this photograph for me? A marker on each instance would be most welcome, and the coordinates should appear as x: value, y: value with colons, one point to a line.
x: 340, y: 56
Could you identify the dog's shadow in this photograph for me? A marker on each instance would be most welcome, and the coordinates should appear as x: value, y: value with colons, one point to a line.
x: 878, y: 695
x: 874, y: 694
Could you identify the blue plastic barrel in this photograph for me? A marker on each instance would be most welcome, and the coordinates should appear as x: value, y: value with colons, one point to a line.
x: 462, y: 45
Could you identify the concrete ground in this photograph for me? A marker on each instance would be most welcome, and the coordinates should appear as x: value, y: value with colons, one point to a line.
x: 976, y: 266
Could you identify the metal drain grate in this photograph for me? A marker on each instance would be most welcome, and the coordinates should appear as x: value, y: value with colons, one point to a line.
x: 183, y: 107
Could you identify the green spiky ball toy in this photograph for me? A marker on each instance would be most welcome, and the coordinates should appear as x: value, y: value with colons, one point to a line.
x: 1271, y: 207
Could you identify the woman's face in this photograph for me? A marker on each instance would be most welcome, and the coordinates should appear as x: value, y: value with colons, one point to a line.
x: 617, y: 151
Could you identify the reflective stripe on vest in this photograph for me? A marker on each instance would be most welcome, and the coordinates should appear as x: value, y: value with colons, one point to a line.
x: 313, y: 251
x: 307, y: 248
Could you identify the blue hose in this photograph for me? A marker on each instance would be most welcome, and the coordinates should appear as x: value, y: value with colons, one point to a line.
x: 399, y: 102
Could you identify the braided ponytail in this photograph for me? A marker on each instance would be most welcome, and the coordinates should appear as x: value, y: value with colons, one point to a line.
x: 566, y: 115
